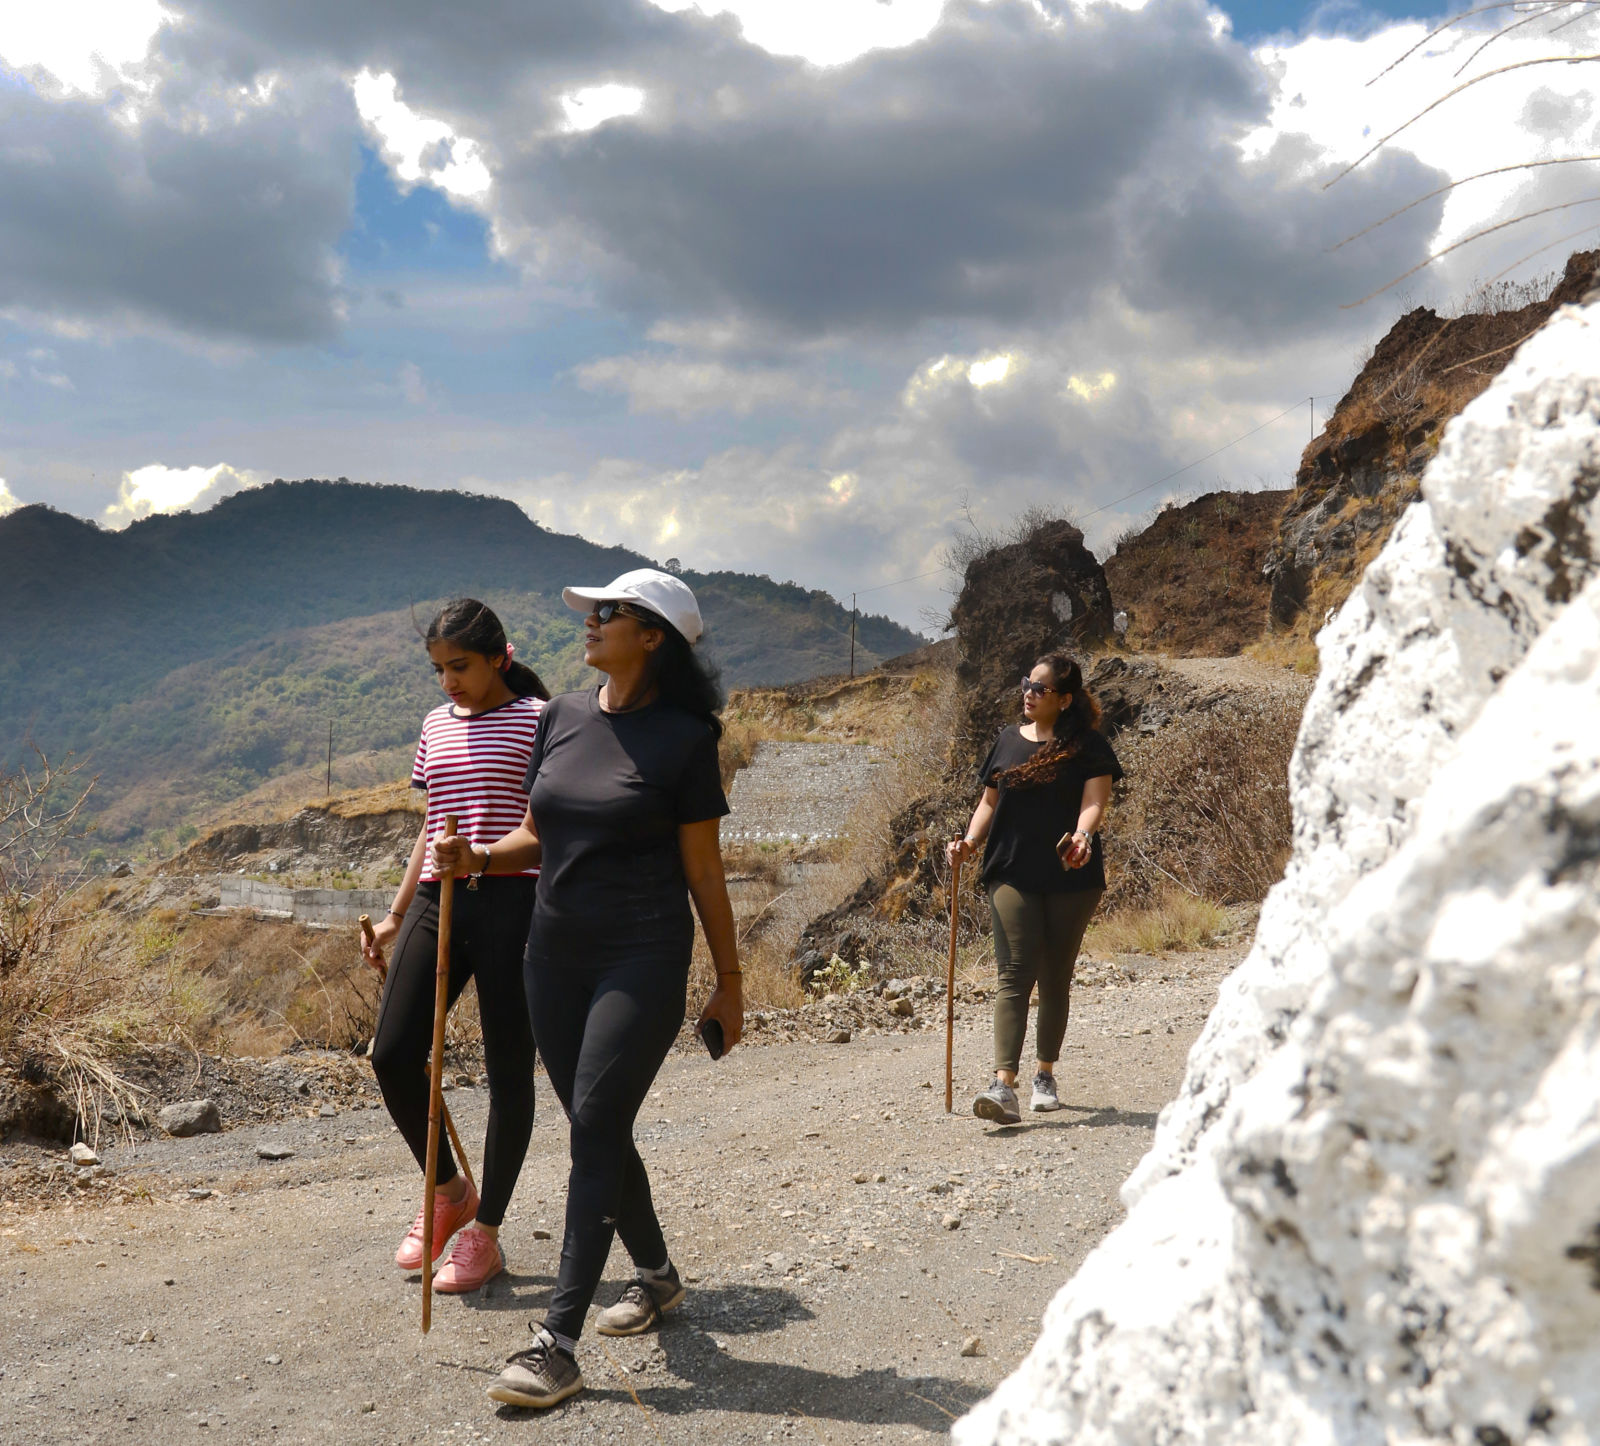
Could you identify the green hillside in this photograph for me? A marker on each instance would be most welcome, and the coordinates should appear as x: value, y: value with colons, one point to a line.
x: 192, y: 657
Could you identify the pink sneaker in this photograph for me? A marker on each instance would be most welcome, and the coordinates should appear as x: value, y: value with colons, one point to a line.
x: 474, y: 1260
x: 447, y: 1219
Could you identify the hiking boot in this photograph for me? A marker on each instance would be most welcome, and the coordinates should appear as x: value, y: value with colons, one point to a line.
x: 447, y: 1219
x: 998, y: 1103
x: 475, y: 1259
x: 642, y: 1304
x: 1045, y: 1097
x: 540, y: 1376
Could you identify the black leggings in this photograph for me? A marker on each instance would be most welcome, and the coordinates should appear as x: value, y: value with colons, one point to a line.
x: 603, y: 1032
x: 487, y: 938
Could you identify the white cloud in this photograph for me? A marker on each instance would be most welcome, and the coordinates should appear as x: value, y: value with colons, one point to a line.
x: 596, y: 104
x: 8, y: 370
x: 412, y: 386
x: 686, y: 387
x: 82, y: 46
x: 1333, y: 90
x: 157, y: 488
x: 420, y: 147
x: 990, y: 371
x: 8, y: 503
x: 825, y: 32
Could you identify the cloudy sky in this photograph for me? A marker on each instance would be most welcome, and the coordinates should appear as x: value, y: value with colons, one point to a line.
x: 793, y: 286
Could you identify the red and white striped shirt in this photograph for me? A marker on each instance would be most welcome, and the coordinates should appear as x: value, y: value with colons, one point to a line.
x: 473, y: 767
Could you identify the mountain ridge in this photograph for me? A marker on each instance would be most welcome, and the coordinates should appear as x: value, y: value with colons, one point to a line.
x: 186, y: 657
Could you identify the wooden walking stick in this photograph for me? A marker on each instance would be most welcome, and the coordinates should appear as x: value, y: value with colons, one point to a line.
x: 950, y: 994
x: 450, y: 1125
x: 441, y: 1007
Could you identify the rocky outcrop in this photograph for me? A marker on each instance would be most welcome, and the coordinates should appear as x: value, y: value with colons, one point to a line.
x: 1043, y: 593
x: 1362, y: 472
x: 1192, y: 582
x: 1373, y: 1213
x: 313, y: 838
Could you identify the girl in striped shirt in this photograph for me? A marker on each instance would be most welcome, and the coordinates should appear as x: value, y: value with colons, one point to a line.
x: 471, y: 759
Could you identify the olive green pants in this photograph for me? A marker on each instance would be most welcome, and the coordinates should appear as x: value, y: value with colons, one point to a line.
x: 1036, y: 941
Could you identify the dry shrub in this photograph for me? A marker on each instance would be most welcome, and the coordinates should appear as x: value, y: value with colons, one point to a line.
x: 1175, y: 921
x: 1205, y: 807
x: 737, y: 748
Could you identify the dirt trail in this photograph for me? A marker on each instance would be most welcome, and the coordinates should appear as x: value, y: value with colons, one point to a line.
x: 820, y: 1309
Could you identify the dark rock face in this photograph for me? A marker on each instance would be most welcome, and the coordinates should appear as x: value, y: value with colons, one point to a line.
x: 1044, y: 594
x: 1191, y: 582
x: 1138, y: 695
x: 1364, y: 470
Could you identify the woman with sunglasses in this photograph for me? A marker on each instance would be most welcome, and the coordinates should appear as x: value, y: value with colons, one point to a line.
x: 1046, y: 784
x: 624, y: 806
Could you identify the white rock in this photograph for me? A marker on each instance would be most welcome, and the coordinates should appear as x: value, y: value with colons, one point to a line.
x: 82, y: 1155
x: 1373, y: 1214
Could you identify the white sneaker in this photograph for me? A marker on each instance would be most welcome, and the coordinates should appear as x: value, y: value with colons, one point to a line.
x: 1045, y: 1097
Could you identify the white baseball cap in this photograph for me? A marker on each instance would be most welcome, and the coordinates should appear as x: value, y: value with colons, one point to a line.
x: 667, y: 596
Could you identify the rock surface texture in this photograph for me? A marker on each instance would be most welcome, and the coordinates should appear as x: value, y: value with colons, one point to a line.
x: 1372, y: 1215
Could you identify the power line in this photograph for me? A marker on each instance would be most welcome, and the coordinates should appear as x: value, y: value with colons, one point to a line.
x: 896, y: 583
x: 1118, y: 501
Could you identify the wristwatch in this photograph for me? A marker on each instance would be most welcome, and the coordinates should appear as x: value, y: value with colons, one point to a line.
x: 472, y: 878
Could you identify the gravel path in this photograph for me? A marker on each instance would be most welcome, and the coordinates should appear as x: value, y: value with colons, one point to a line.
x: 844, y: 1237
x: 798, y: 792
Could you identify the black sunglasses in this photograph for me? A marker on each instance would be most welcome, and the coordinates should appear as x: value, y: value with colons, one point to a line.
x: 1037, y: 689
x: 607, y: 610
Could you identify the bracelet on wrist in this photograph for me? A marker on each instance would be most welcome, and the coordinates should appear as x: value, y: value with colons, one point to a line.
x: 394, y: 914
x: 730, y: 974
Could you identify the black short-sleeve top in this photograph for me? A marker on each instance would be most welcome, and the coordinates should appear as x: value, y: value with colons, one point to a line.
x: 1029, y: 821
x: 607, y: 792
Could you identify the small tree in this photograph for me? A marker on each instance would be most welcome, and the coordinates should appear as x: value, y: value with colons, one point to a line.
x: 39, y: 812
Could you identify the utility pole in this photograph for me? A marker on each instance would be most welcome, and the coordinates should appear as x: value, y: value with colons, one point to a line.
x: 852, y: 635
x: 1311, y: 416
x: 329, y: 787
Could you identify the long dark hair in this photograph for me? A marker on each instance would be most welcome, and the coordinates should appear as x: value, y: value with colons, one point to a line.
x: 472, y: 625
x: 1073, y: 724
x: 685, y: 678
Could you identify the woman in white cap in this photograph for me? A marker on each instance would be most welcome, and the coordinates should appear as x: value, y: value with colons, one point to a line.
x: 624, y: 806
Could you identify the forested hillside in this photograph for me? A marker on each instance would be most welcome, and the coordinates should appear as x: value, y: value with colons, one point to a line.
x: 191, y: 657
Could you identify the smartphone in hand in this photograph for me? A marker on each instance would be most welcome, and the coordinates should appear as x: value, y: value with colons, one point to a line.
x: 711, y: 1034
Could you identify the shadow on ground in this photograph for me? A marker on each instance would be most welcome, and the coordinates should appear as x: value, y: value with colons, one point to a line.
x: 712, y: 1378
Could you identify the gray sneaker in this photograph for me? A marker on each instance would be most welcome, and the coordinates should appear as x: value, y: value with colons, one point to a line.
x: 997, y: 1103
x: 1045, y: 1097
x: 641, y: 1305
x: 540, y: 1376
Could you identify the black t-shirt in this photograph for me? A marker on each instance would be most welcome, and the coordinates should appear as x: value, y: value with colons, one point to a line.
x: 1029, y: 822
x: 607, y: 792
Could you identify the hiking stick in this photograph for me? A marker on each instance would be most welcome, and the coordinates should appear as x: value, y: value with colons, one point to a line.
x: 450, y: 1125
x: 950, y: 995
x: 441, y: 1007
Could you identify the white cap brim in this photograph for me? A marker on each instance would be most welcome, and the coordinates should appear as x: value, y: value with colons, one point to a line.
x: 583, y: 599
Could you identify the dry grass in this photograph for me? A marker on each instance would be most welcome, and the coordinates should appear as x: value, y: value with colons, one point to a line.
x: 1175, y: 921
x: 1206, y: 809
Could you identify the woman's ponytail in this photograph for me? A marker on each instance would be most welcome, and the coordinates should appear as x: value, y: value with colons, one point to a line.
x: 470, y: 624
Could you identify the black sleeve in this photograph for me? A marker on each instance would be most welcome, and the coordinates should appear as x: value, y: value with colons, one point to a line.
x: 699, y: 794
x: 991, y: 764
x: 1098, y: 759
x: 537, y: 755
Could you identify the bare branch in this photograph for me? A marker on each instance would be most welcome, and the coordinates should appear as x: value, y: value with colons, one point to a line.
x: 1465, y: 85
x: 1465, y: 240
x: 1477, y: 176
x: 1539, y: 251
x: 1439, y: 30
x: 1517, y: 25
